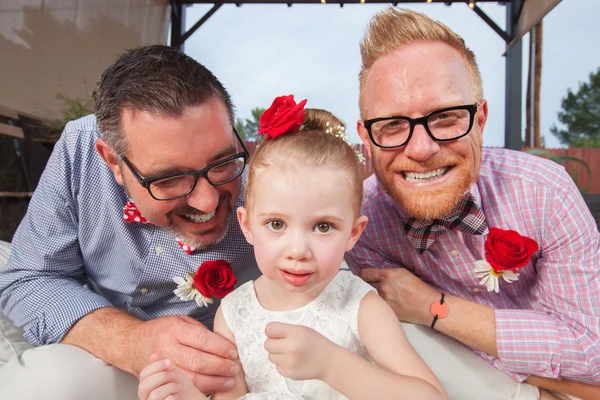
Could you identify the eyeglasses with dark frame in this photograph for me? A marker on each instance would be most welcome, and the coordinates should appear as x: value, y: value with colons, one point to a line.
x: 180, y: 184
x: 441, y: 125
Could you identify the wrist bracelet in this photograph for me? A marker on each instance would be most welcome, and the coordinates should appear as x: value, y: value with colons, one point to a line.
x: 439, y: 310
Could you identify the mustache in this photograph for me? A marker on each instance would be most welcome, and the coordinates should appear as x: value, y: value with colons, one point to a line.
x: 436, y: 162
x: 188, y: 210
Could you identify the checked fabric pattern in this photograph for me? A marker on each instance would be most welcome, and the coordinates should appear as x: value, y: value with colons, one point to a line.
x: 75, y: 228
x: 132, y: 215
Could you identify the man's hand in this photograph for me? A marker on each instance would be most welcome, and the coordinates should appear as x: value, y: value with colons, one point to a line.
x: 126, y: 342
x: 297, y: 351
x: 204, y: 356
x: 406, y: 293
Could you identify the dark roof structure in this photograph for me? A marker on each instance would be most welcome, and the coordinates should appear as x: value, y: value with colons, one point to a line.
x: 512, y: 35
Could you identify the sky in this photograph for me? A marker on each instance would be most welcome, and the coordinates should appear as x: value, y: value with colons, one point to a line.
x: 260, y: 52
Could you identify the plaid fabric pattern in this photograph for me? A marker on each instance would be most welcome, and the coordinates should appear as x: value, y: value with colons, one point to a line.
x: 548, y: 321
x: 466, y: 217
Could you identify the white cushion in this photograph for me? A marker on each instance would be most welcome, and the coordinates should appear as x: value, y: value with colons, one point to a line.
x: 11, y: 337
x: 4, y: 253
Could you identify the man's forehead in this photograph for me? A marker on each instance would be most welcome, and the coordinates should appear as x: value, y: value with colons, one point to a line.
x: 211, y: 109
x: 197, y: 138
x: 413, y: 74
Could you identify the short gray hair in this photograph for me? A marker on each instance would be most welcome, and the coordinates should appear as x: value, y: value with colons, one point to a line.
x: 156, y: 78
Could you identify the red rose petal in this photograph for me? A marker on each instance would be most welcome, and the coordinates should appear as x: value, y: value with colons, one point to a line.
x: 508, y: 250
x: 214, y: 278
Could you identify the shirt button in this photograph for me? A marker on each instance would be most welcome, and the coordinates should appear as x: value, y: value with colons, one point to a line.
x: 131, y: 308
x: 144, y: 290
x: 476, y: 290
x: 158, y: 250
x: 454, y: 253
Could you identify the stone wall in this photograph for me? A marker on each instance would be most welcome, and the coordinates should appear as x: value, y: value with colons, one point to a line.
x: 18, y: 176
x: 12, y: 211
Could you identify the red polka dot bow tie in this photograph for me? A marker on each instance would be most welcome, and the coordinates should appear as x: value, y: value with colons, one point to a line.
x: 132, y: 215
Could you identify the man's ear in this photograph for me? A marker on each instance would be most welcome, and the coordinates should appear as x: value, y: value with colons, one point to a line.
x: 481, y: 117
x: 242, y: 216
x: 110, y: 159
x: 364, y: 136
x: 357, y: 230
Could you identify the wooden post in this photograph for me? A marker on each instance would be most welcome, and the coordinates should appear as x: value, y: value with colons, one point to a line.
x: 528, y: 95
x: 537, y: 138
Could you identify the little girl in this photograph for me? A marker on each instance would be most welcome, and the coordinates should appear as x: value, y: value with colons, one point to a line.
x: 305, y: 329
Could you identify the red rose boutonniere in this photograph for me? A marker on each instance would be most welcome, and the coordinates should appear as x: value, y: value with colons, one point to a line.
x: 283, y: 116
x: 213, y: 278
x: 505, y: 252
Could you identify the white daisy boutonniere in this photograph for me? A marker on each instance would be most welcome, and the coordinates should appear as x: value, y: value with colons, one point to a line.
x: 212, y: 278
x: 505, y: 252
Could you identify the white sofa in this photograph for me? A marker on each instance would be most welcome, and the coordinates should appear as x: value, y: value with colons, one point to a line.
x: 4, y: 253
x: 11, y: 337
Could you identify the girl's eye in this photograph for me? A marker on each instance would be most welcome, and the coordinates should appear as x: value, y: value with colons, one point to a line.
x: 324, y: 227
x: 275, y: 225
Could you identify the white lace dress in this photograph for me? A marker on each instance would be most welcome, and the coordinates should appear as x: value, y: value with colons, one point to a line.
x: 334, y: 314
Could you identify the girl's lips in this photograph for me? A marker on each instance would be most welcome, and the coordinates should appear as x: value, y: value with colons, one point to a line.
x: 297, y: 278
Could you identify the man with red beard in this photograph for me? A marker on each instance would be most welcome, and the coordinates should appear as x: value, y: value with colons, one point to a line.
x: 103, y: 269
x: 477, y: 249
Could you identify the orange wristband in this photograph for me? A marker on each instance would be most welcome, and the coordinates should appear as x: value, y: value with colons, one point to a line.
x: 439, y: 310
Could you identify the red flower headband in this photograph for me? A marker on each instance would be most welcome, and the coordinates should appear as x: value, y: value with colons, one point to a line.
x: 284, y: 116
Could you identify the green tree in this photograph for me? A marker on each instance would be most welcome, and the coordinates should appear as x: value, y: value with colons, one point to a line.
x: 581, y: 115
x: 73, y: 109
x: 248, y: 128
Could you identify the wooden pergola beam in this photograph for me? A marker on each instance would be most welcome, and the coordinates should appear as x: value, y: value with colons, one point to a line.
x: 290, y: 3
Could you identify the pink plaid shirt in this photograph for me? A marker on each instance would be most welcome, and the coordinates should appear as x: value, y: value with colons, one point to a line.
x: 548, y: 321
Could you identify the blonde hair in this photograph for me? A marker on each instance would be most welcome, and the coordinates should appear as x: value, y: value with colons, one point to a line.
x: 311, y: 147
x: 393, y: 28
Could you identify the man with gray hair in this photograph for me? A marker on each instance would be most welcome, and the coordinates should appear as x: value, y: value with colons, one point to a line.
x: 489, y: 250
x: 133, y: 200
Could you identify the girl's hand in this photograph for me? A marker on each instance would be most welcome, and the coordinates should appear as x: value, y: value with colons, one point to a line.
x: 298, y: 352
x: 163, y: 380
x: 158, y: 380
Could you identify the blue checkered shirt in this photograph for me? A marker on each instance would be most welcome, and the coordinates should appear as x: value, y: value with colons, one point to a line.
x: 73, y: 253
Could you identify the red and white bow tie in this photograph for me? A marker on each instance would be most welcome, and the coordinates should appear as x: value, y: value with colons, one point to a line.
x: 132, y: 215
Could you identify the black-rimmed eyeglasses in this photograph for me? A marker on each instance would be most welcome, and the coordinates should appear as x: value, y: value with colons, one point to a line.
x: 441, y: 125
x: 180, y: 184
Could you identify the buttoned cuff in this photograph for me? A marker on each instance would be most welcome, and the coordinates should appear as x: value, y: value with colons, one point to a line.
x: 529, y: 342
x: 55, y: 319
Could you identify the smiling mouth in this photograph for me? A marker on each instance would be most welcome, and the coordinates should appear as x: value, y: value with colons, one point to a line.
x: 199, y: 218
x: 421, y: 177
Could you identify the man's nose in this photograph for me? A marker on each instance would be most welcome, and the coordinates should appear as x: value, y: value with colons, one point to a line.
x: 204, y: 197
x: 421, y: 146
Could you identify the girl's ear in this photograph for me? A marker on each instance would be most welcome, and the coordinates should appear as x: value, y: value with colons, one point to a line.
x: 242, y: 216
x: 357, y: 230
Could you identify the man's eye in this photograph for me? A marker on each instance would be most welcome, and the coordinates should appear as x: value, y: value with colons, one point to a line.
x: 224, y: 167
x: 275, y: 225
x: 166, y: 183
x: 394, y: 125
x: 324, y: 227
